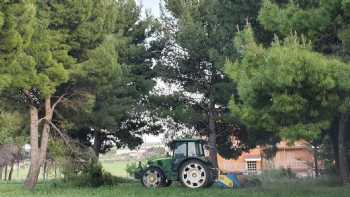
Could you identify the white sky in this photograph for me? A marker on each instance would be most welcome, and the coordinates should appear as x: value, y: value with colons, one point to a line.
x: 152, y: 5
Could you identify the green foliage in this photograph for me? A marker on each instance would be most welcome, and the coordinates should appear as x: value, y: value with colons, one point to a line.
x: 12, y: 125
x: 91, y: 176
x: 287, y: 89
x: 95, y: 176
x: 114, y: 84
x: 291, y: 18
x: 45, y: 40
x: 132, y: 168
x: 325, y: 23
x: 10, y: 128
x: 277, y: 175
x: 57, y: 149
x: 16, y: 30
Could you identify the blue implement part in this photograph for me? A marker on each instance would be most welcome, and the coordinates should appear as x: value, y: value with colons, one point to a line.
x: 228, y: 181
x: 234, y: 178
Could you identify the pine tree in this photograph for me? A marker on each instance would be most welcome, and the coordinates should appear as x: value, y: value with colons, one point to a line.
x: 16, y: 30
x: 326, y: 25
x: 199, y: 41
x: 116, y: 102
x: 43, y: 42
x: 288, y: 89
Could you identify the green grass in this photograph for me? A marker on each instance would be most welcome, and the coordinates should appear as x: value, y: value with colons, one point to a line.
x: 272, y: 187
x: 116, y: 168
x: 291, y: 189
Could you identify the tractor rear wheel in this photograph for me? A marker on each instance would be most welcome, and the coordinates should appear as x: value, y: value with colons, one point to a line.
x: 212, y: 177
x: 194, y: 174
x: 153, y: 178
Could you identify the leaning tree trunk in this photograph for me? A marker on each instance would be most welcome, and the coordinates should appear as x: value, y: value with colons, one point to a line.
x: 38, y: 154
x: 212, y: 134
x: 342, y: 156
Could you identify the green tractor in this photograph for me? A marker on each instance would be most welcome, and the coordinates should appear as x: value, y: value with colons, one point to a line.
x: 188, y: 164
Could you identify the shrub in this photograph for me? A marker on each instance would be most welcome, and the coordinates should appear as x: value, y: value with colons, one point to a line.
x: 95, y: 176
x: 134, y: 167
x: 277, y: 175
x: 92, y: 175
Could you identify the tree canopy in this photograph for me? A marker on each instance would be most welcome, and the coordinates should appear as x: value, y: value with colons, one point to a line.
x: 199, y: 37
x: 288, y: 88
x: 115, y: 109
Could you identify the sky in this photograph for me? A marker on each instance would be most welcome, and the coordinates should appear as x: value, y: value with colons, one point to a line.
x: 152, y: 5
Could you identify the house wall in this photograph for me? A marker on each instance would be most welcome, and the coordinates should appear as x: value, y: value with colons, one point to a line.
x: 298, y: 158
x: 239, y: 165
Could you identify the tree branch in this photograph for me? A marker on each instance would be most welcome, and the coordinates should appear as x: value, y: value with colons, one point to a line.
x: 58, y: 101
x: 41, y: 119
x: 64, y: 137
x: 67, y: 140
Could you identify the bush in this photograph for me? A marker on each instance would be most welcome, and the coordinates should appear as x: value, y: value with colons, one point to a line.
x: 288, y: 173
x: 95, y: 176
x: 132, y: 168
x: 277, y: 175
x: 92, y: 175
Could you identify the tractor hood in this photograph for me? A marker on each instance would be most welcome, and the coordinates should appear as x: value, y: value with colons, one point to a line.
x: 161, y: 162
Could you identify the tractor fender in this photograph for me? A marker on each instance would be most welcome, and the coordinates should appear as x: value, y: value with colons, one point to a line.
x: 154, y: 166
x: 139, y: 174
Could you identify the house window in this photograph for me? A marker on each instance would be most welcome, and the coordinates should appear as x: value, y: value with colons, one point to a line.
x: 251, y: 167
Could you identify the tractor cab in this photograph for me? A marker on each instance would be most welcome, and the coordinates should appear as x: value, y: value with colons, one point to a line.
x: 185, y: 149
x: 188, y: 164
x: 188, y: 148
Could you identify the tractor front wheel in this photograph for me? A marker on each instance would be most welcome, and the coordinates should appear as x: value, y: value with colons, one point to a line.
x: 153, y: 178
x: 194, y: 174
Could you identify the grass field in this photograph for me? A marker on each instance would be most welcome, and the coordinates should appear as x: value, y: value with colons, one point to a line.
x: 116, y: 168
x: 290, y: 189
x: 270, y: 188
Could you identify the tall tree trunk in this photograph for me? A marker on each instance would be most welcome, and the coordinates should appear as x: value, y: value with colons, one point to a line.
x: 44, y: 170
x: 11, y: 171
x: 335, y: 149
x: 31, y: 179
x: 55, y: 169
x: 97, y: 143
x: 1, y: 168
x: 46, y: 130
x: 38, y: 155
x: 18, y: 167
x: 212, y: 134
x: 316, y: 161
x: 343, y: 162
x: 5, y: 178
